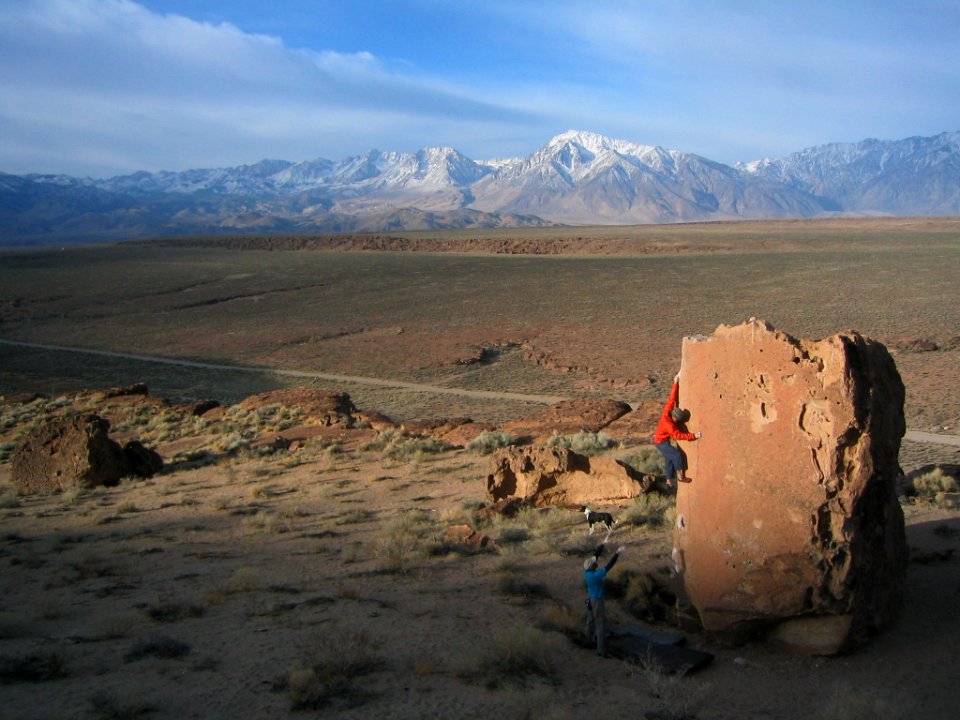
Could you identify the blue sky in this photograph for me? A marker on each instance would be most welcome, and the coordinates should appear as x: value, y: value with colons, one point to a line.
x: 107, y: 87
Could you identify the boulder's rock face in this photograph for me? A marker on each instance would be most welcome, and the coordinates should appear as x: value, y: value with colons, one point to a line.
x: 791, y: 518
x: 544, y: 476
x: 68, y: 451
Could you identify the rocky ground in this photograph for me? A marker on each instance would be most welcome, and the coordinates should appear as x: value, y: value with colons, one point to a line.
x: 287, y: 563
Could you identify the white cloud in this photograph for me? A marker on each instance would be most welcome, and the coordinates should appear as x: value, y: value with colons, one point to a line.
x: 138, y: 90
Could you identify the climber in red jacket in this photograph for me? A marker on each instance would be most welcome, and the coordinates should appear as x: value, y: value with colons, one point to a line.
x: 672, y: 424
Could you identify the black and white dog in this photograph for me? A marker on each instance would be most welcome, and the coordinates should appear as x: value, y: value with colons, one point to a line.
x: 603, y: 519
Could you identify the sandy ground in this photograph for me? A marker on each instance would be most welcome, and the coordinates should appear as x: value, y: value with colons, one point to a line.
x: 204, y: 592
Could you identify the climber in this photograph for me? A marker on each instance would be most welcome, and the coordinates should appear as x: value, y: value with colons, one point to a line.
x: 672, y: 425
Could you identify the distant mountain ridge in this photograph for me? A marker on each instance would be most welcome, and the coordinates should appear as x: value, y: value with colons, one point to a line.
x: 577, y: 178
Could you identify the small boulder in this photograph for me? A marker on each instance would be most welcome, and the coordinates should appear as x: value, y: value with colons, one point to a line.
x: 68, y: 451
x: 544, y: 476
x: 466, y: 536
x: 143, y: 461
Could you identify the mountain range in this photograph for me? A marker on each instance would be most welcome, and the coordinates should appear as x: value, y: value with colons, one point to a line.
x: 576, y: 178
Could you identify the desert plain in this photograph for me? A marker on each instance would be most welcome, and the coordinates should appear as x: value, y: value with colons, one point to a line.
x: 318, y: 580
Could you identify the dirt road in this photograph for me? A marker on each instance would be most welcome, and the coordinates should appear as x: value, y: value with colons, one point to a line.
x: 912, y: 435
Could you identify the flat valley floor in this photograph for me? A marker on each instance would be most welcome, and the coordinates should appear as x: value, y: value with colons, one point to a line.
x: 317, y: 582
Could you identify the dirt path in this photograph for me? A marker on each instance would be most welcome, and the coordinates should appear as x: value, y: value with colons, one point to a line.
x: 360, y: 380
x: 911, y: 435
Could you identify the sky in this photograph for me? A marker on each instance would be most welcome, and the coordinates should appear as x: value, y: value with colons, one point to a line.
x: 109, y: 87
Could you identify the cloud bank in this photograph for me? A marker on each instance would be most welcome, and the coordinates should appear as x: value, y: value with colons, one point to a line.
x: 103, y: 87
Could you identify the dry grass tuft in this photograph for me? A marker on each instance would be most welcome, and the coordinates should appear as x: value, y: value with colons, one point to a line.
x: 514, y: 656
x: 33, y: 667
x: 489, y: 441
x: 402, y: 540
x: 847, y: 702
x: 395, y: 444
x: 584, y: 443
x: 645, y: 460
x: 679, y: 698
x: 559, y: 617
x: 159, y: 646
x: 521, y: 589
x: 329, y: 665
x: 108, y: 706
x: 934, y: 486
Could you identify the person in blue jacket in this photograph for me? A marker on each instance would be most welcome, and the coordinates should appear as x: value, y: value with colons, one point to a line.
x: 595, y: 578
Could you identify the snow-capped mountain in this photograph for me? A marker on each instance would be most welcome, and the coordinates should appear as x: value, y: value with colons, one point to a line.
x: 574, y: 178
x: 918, y: 175
x: 582, y: 178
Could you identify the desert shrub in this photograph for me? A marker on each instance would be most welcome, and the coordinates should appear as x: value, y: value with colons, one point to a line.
x: 107, y: 706
x: 91, y: 565
x: 522, y: 589
x: 401, y: 540
x: 329, y: 665
x: 231, y: 443
x: 648, y: 596
x: 646, y: 460
x: 395, y: 444
x: 679, y: 699
x: 12, y: 625
x: 114, y: 625
x: 650, y: 510
x: 559, y: 617
x: 847, y: 702
x: 580, y: 546
x: 9, y: 500
x: 489, y: 441
x: 159, y: 646
x: 6, y: 450
x: 584, y: 443
x: 933, y: 486
x: 513, y: 655
x: 33, y: 667
x: 244, y: 579
x: 513, y: 534
x: 173, y: 611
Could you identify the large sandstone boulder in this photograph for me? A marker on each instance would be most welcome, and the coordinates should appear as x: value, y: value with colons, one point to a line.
x: 544, y: 476
x: 68, y: 451
x: 791, y: 523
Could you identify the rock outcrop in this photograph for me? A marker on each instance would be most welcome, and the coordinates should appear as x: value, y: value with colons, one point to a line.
x: 567, y: 417
x: 544, y: 476
x: 791, y: 525
x: 68, y: 451
x: 320, y: 407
